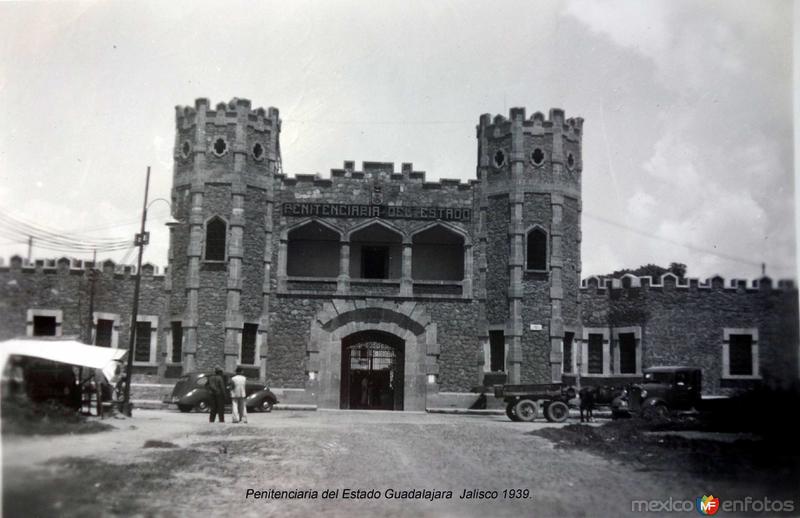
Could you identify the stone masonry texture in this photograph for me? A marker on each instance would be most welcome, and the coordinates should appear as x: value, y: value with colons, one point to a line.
x: 444, y: 322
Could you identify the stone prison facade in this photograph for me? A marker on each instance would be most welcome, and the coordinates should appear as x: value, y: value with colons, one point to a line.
x: 374, y: 288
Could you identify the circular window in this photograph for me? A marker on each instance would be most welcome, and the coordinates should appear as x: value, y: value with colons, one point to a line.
x: 258, y: 151
x: 570, y: 160
x: 537, y: 157
x: 499, y: 158
x: 186, y: 148
x: 220, y: 146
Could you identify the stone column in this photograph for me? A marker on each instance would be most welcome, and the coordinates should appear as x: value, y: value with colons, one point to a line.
x: 406, y: 282
x: 482, y: 354
x: 516, y: 261
x: 282, y: 255
x: 193, y: 277
x: 273, y: 156
x: 466, y: 284
x: 343, y: 281
x: 556, y: 287
x: 234, y: 321
x: 266, y: 288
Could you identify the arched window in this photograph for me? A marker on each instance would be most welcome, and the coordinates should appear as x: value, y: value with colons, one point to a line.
x: 376, y: 252
x: 313, y: 251
x: 536, y: 250
x: 216, y: 234
x: 437, y: 254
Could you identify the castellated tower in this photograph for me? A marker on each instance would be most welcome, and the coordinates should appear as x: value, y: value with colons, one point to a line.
x: 220, y: 253
x: 530, y: 226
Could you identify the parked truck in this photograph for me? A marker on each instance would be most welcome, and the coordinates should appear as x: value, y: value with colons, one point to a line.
x: 661, y: 392
x: 525, y: 402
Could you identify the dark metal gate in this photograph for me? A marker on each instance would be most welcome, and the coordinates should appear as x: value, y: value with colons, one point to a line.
x: 372, y: 371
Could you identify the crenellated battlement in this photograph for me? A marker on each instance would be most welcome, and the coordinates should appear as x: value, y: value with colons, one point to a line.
x: 500, y: 125
x: 670, y: 280
x: 383, y: 171
x: 236, y: 111
x: 75, y: 266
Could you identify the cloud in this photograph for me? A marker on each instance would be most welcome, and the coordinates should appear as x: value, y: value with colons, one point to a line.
x: 718, y: 177
x: 640, y: 26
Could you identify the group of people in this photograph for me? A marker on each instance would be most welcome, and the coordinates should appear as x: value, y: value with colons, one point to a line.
x: 219, y: 386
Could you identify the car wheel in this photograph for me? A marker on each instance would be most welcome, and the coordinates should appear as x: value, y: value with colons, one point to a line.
x: 185, y: 408
x: 658, y: 412
x: 525, y: 410
x: 556, y: 412
x: 265, y: 406
x: 202, y: 406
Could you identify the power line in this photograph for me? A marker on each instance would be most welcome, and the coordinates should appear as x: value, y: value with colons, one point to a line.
x: 50, y: 239
x: 670, y: 241
x: 398, y: 123
x: 47, y: 233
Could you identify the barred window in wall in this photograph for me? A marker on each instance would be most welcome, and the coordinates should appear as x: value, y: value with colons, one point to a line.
x: 216, y: 231
x: 567, y: 357
x: 536, y: 250
x: 104, y: 332
x: 177, y: 342
x: 249, y: 334
x: 44, y: 326
x: 595, y: 353
x: 627, y: 353
x: 141, y: 352
x: 741, y: 355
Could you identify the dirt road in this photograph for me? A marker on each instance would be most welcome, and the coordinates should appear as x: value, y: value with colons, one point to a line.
x: 211, y: 467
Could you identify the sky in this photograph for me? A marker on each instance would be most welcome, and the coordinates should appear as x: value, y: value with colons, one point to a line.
x: 688, y: 133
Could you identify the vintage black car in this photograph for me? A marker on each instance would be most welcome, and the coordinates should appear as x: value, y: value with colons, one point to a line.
x: 662, y: 391
x: 191, y: 393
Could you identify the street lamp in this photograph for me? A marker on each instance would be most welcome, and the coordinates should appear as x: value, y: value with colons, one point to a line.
x: 141, y: 239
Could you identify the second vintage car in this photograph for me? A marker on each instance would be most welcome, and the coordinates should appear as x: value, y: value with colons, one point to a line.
x: 191, y: 393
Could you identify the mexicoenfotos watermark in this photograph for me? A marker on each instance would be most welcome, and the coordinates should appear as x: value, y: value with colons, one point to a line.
x: 710, y: 505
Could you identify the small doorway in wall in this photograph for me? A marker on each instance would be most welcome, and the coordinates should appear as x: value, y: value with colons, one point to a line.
x: 375, y: 262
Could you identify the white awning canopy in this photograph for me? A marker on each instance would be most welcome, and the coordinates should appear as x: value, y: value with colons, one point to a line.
x: 65, y: 351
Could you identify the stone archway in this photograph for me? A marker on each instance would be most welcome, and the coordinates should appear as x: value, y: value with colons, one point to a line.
x: 406, y: 322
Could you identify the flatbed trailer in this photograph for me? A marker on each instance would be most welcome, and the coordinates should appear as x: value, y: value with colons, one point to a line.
x: 524, y: 402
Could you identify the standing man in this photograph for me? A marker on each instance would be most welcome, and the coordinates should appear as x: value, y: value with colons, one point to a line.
x: 216, y: 385
x: 237, y: 396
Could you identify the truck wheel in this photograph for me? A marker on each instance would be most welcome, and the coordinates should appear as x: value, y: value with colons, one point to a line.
x: 185, y: 408
x: 525, y: 409
x: 511, y: 413
x: 556, y: 412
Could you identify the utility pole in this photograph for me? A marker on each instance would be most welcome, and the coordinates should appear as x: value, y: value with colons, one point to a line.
x: 30, y: 248
x: 140, y: 240
x: 92, y: 276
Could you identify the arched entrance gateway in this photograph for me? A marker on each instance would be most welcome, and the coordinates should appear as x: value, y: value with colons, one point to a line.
x: 373, y: 366
x: 381, y: 355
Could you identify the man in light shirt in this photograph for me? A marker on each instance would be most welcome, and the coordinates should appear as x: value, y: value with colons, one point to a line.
x: 237, y: 396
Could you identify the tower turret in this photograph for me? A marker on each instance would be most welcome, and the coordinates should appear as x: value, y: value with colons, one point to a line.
x: 225, y: 160
x: 530, y: 172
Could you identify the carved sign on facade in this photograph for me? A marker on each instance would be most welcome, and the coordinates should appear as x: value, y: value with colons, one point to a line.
x: 349, y: 210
